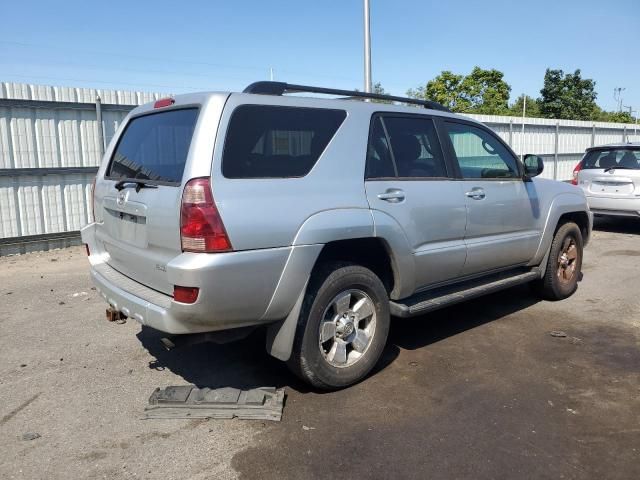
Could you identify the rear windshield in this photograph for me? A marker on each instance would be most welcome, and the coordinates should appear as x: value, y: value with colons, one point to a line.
x: 277, y: 142
x: 614, y: 158
x: 154, y: 147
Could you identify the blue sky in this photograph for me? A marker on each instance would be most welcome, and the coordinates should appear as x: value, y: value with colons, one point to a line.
x: 171, y: 46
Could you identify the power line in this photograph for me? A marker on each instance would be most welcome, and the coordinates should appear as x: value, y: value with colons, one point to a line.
x: 175, y: 60
x: 69, y: 79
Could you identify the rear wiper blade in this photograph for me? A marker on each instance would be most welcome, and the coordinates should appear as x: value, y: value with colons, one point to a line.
x: 618, y: 168
x: 138, y: 183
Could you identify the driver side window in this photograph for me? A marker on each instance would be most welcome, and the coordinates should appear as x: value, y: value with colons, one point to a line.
x: 480, y: 154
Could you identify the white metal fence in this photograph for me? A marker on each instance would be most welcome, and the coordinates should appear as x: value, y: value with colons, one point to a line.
x: 52, y: 139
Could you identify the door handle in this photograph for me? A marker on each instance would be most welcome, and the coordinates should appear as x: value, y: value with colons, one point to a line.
x: 476, y: 193
x: 392, y: 195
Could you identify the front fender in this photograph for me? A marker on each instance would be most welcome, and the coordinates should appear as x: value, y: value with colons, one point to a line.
x: 561, y: 204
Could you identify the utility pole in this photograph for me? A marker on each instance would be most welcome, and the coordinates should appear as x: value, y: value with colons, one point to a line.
x: 631, y: 114
x: 617, y: 95
x: 367, y: 48
x: 524, y: 114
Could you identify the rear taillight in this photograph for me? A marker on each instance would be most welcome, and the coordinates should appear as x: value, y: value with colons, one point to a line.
x: 201, y: 228
x: 185, y: 294
x: 86, y: 246
x: 574, y: 180
x: 93, y: 198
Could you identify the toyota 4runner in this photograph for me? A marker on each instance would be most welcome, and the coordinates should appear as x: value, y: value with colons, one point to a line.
x: 320, y: 219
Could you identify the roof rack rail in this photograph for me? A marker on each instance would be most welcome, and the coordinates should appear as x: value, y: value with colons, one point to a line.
x: 280, y: 88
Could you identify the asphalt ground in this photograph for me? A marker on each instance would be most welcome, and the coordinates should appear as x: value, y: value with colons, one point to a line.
x: 479, y: 390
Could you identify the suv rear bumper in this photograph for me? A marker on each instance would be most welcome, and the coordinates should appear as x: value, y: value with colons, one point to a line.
x: 235, y: 289
x: 628, y: 207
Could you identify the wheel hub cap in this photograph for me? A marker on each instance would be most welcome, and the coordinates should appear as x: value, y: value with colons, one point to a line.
x: 347, y: 328
x: 567, y: 260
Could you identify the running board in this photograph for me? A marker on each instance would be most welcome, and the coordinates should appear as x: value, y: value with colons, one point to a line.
x: 443, y: 297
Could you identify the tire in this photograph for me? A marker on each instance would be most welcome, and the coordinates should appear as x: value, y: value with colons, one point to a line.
x: 563, y: 272
x: 354, y: 329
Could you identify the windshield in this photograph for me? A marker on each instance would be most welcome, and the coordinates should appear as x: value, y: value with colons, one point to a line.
x: 154, y: 147
x: 613, y: 158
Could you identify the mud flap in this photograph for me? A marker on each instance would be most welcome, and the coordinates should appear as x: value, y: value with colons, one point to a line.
x: 280, y: 335
x: 265, y: 403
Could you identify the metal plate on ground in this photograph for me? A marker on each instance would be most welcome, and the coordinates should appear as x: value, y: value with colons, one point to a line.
x: 188, y: 401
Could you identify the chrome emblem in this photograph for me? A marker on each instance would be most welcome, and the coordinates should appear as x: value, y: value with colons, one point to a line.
x: 122, y: 197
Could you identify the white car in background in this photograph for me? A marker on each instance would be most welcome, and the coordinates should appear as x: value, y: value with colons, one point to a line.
x: 610, y: 178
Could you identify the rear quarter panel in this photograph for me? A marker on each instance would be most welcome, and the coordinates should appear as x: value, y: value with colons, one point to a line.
x: 270, y: 212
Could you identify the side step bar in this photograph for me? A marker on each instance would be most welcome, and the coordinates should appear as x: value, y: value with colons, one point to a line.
x: 443, y: 297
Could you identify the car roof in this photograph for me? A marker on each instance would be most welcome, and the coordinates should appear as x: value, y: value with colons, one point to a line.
x: 298, y: 100
x: 621, y: 146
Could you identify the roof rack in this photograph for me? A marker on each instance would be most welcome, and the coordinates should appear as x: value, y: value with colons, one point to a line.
x: 280, y: 88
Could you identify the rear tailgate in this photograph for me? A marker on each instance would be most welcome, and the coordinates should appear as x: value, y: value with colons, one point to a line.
x: 611, y: 172
x: 137, y: 229
x: 614, y: 183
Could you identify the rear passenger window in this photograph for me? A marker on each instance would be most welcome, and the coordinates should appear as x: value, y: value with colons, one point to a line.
x: 379, y: 161
x: 404, y: 147
x: 266, y: 141
x: 415, y: 147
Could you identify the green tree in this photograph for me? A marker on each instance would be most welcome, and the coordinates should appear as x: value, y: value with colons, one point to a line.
x: 617, y: 117
x: 486, y: 91
x: 482, y: 91
x: 444, y: 89
x: 379, y: 89
x: 567, y: 96
x: 533, y: 107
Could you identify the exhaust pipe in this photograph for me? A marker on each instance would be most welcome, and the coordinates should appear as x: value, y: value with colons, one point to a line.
x: 114, y: 315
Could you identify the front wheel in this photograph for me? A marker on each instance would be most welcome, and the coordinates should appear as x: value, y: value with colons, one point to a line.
x: 564, y: 264
x: 342, y: 328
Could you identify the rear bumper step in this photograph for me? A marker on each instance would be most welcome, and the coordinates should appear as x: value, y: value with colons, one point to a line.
x: 443, y: 297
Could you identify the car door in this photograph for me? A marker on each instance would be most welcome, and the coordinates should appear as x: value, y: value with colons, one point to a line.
x: 407, y: 178
x: 503, y: 214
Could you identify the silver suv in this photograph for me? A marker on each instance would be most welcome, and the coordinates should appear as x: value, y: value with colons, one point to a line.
x: 319, y: 218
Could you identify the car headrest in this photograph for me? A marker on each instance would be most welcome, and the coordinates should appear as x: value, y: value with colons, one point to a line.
x: 629, y: 160
x: 406, y: 149
x: 608, y: 161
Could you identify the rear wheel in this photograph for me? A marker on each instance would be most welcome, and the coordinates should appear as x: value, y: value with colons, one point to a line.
x: 564, y: 264
x: 342, y: 328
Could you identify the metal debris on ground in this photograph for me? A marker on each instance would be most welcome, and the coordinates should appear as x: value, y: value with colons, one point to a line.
x: 265, y: 403
x: 30, y: 436
x: 558, y: 334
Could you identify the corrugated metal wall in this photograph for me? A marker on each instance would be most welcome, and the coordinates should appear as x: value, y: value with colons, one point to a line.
x: 51, y: 145
x: 573, y: 138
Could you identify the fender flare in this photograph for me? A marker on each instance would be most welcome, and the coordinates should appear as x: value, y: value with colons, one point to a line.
x: 562, y: 204
x: 316, y: 231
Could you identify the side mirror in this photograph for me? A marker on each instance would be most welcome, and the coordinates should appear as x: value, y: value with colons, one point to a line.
x: 533, y: 165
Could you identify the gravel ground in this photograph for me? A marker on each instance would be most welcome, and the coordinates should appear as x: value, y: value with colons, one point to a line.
x: 480, y: 390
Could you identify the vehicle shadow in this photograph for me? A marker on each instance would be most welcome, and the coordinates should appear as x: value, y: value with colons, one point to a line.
x: 419, y: 332
x: 245, y: 364
x: 617, y: 225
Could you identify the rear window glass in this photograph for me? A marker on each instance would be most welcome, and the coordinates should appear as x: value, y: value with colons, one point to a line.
x: 277, y: 142
x: 613, y: 158
x: 154, y: 147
